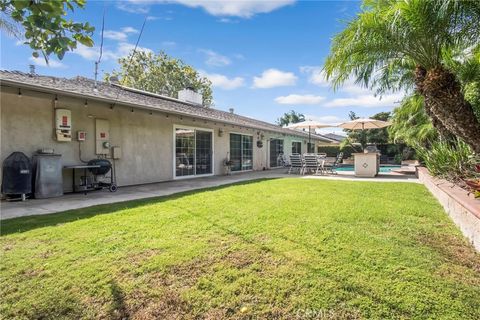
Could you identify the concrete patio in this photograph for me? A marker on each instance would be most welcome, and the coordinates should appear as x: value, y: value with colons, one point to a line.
x: 71, y: 201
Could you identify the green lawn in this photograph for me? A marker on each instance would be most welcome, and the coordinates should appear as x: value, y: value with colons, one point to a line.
x: 283, y: 248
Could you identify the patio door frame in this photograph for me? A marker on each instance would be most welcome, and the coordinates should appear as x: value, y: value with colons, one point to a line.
x: 270, y: 151
x: 212, y: 131
x: 241, y: 146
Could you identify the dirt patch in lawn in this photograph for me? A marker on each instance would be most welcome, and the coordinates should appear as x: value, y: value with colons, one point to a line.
x: 164, y: 295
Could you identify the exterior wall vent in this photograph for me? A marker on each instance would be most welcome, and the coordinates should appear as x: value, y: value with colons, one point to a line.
x: 190, y: 96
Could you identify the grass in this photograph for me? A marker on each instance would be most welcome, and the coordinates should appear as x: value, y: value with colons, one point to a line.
x: 283, y: 248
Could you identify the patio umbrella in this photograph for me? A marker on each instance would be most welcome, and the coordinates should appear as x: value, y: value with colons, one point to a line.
x: 362, y: 124
x: 309, y: 124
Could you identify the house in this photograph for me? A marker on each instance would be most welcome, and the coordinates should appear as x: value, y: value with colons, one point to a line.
x: 335, y: 137
x: 153, y: 138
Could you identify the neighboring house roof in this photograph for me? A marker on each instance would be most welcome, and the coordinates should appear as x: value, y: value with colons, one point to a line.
x: 115, y: 94
x: 335, y: 137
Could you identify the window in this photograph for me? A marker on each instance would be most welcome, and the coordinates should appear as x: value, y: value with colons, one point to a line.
x: 241, y: 152
x: 193, y: 152
x: 310, y: 147
x: 296, y: 147
x: 276, y: 153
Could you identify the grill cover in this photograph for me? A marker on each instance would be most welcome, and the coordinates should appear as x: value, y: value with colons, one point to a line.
x: 17, y: 174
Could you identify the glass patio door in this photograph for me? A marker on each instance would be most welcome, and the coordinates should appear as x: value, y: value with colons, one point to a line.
x: 241, y: 152
x: 193, y: 152
x: 276, y: 151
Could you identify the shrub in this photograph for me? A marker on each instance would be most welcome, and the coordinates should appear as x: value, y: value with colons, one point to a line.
x: 332, y: 151
x: 453, y: 161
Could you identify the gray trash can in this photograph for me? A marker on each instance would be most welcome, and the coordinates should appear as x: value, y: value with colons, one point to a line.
x: 48, y: 180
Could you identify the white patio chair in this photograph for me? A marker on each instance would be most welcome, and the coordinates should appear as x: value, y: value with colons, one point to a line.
x: 296, y: 163
x: 311, y: 163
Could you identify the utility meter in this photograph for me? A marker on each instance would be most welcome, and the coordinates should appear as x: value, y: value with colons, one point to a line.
x: 63, y: 125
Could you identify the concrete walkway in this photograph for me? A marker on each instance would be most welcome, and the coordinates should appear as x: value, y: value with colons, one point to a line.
x: 79, y: 200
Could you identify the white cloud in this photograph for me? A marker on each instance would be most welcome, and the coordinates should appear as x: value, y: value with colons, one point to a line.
x: 274, y: 78
x: 133, y: 7
x: 92, y: 53
x: 237, y: 8
x: 115, y: 35
x: 297, y: 99
x: 129, y: 30
x: 124, y: 49
x: 315, y: 75
x: 40, y: 61
x: 88, y: 53
x: 223, y: 82
x: 365, y: 101
x: 215, y: 59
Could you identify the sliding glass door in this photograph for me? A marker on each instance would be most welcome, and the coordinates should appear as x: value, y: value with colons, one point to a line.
x: 193, y: 152
x: 276, y: 151
x: 241, y: 152
x: 296, y: 147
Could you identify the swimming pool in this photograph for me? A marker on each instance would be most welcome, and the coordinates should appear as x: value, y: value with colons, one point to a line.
x: 382, y: 168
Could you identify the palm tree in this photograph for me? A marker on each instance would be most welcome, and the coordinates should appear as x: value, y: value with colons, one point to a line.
x: 410, y: 123
x: 289, y: 118
x: 405, y: 44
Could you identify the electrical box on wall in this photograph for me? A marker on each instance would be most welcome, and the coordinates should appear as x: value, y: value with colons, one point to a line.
x: 116, y: 152
x: 63, y: 125
x: 81, y: 135
x: 102, y: 137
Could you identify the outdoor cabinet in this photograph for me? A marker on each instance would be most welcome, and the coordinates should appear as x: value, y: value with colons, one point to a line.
x: 367, y: 165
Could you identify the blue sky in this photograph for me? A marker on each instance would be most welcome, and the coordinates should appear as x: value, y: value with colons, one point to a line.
x: 263, y: 57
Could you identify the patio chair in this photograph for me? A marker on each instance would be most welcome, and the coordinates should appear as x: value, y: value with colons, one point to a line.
x: 296, y: 163
x: 330, y: 166
x: 311, y: 163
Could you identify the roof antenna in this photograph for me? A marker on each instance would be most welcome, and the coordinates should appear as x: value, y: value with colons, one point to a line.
x: 101, y: 51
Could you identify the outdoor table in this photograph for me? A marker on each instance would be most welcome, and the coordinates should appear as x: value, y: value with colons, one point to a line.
x: 84, y: 167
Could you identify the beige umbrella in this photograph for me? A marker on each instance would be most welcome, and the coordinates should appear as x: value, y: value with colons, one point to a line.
x: 309, y: 124
x: 362, y: 124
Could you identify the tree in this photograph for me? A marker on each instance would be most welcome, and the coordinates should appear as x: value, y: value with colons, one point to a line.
x: 289, y: 118
x: 161, y: 74
x: 45, y: 27
x: 393, y: 45
x: 411, y: 124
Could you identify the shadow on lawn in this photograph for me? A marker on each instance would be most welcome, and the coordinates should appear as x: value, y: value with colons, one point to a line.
x: 23, y: 224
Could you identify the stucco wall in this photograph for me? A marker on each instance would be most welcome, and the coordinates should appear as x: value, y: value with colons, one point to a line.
x: 27, y: 124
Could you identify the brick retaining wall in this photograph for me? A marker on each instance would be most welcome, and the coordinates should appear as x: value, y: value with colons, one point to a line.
x: 462, y: 208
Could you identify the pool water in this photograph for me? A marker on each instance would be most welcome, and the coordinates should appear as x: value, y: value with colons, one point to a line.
x: 382, y: 168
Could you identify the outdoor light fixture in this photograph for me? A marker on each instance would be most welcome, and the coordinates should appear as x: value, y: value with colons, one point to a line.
x: 55, y: 101
x: 19, y: 93
x: 112, y: 106
x: 131, y: 110
x: 220, y: 132
x: 86, y: 104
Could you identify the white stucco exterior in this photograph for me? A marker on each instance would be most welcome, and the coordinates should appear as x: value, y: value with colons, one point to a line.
x: 146, y: 138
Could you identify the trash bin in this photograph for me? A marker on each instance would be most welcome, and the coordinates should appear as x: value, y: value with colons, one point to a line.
x: 48, y: 179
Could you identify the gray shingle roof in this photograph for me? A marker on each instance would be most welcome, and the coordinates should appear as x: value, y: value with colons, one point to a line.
x: 110, y: 93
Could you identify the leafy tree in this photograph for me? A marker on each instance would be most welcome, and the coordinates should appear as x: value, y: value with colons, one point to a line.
x: 411, y: 124
x: 393, y: 45
x: 289, y: 118
x: 45, y: 27
x: 161, y: 74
